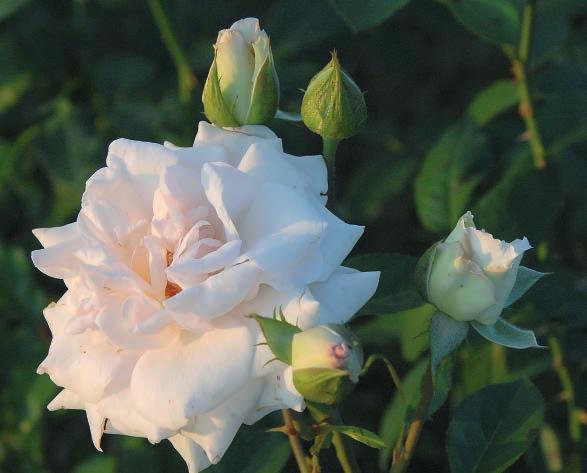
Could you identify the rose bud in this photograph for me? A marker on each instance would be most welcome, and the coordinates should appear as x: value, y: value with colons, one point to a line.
x: 326, y: 362
x: 333, y: 105
x: 470, y: 275
x: 242, y: 87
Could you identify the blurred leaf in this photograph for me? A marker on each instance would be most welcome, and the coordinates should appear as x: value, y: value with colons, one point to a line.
x: 396, y: 290
x: 254, y: 451
x: 123, y: 73
x: 10, y: 7
x: 496, y: 98
x: 446, y: 181
x: 550, y: 33
x: 12, y: 88
x: 21, y: 298
x: 563, y: 120
x: 372, y: 187
x: 368, y: 13
x: 101, y: 464
x: 493, y: 427
x: 495, y: 20
x: 410, y: 327
x: 521, y: 204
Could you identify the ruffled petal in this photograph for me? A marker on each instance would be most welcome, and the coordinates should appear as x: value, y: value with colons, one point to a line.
x: 215, y: 296
x: 87, y: 363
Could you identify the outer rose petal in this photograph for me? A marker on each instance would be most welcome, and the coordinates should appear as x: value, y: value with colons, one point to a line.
x: 194, y: 375
x: 279, y: 393
x: 343, y: 294
x: 214, y: 430
x: 234, y: 141
x: 191, y: 452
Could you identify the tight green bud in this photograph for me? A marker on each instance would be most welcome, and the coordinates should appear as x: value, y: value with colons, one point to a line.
x: 242, y: 87
x: 333, y: 105
x: 326, y: 362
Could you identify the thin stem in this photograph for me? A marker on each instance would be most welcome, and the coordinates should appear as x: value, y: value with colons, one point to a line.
x: 186, y: 79
x: 344, y: 453
x: 402, y: 460
x: 519, y: 68
x: 344, y: 449
x: 329, y: 147
x: 568, y: 390
x: 298, y: 450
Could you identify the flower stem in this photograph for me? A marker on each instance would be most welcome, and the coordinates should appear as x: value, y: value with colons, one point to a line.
x: 185, y: 77
x: 519, y: 68
x: 344, y: 449
x: 296, y: 445
x: 402, y: 458
x: 574, y: 424
x: 329, y: 147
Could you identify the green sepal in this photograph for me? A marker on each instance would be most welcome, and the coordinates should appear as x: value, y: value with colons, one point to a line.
x: 525, y: 279
x: 446, y: 335
x: 279, y: 335
x: 423, y: 270
x: 323, y: 385
x: 506, y: 334
x: 265, y: 94
x: 215, y: 108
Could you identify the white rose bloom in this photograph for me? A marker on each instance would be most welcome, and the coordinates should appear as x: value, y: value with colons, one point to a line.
x: 472, y: 273
x: 172, y: 248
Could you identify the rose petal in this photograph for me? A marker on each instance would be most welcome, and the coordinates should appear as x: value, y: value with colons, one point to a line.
x: 343, y: 294
x: 214, y: 430
x: 193, y: 375
x: 191, y: 452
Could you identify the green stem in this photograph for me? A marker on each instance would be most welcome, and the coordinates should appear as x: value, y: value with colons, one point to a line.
x: 574, y: 423
x: 329, y: 147
x: 296, y: 446
x: 344, y: 449
x: 519, y: 67
x: 402, y: 458
x: 185, y: 77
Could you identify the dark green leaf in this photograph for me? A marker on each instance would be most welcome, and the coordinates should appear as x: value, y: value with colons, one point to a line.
x: 493, y: 427
x: 446, y: 179
x: 359, y: 434
x: 496, y: 98
x: 495, y: 20
x: 368, y: 13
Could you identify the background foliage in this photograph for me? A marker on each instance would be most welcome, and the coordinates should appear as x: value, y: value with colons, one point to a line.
x: 444, y: 134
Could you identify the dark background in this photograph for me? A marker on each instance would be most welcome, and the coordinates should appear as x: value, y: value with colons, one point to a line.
x: 74, y: 75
